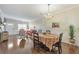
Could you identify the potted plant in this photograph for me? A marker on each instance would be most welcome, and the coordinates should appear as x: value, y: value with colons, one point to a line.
x: 72, y: 40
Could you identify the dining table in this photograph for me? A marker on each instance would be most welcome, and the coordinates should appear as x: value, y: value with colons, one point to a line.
x: 48, y: 39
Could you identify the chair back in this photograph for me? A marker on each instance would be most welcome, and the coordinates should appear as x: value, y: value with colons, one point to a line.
x: 22, y: 32
x: 36, y: 39
x: 48, y: 31
x: 34, y: 31
x: 60, y: 37
x: 36, y: 36
x: 40, y: 30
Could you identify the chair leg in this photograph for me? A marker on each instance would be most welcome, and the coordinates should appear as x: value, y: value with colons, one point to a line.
x: 34, y: 44
x: 60, y: 50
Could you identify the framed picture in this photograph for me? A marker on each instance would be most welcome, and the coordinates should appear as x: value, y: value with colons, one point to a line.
x: 54, y: 25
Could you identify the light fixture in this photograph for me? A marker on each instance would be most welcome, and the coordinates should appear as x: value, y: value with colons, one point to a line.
x: 48, y: 15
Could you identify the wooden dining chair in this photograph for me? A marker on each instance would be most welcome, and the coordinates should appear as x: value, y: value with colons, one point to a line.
x: 36, y: 39
x: 58, y: 44
x: 37, y: 43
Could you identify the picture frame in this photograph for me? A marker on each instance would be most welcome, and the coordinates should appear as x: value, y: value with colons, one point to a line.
x: 55, y: 25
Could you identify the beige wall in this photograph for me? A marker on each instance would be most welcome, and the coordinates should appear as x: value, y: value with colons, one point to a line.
x: 69, y: 17
x: 64, y: 18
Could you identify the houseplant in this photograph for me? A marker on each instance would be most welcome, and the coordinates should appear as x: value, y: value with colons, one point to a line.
x: 71, y: 33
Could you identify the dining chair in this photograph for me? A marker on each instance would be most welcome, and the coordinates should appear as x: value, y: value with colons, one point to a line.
x: 36, y: 39
x: 58, y: 44
x: 37, y: 43
x: 48, y: 31
x: 22, y: 33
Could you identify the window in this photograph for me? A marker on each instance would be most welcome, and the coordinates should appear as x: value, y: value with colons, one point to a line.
x: 22, y: 26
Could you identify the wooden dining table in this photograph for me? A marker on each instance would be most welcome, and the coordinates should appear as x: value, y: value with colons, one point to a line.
x: 48, y: 39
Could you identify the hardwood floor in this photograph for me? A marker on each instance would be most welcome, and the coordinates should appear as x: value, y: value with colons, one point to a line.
x: 18, y: 46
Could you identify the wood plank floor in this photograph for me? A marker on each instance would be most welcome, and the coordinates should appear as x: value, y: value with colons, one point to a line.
x: 18, y: 46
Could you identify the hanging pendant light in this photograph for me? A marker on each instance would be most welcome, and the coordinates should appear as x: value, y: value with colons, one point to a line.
x: 49, y: 16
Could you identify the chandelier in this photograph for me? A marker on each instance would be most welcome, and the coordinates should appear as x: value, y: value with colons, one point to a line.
x: 48, y: 14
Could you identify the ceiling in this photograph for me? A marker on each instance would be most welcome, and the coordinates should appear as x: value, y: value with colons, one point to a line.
x: 31, y: 11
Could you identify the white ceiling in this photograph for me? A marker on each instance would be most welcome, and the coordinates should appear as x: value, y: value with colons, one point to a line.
x: 31, y: 11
